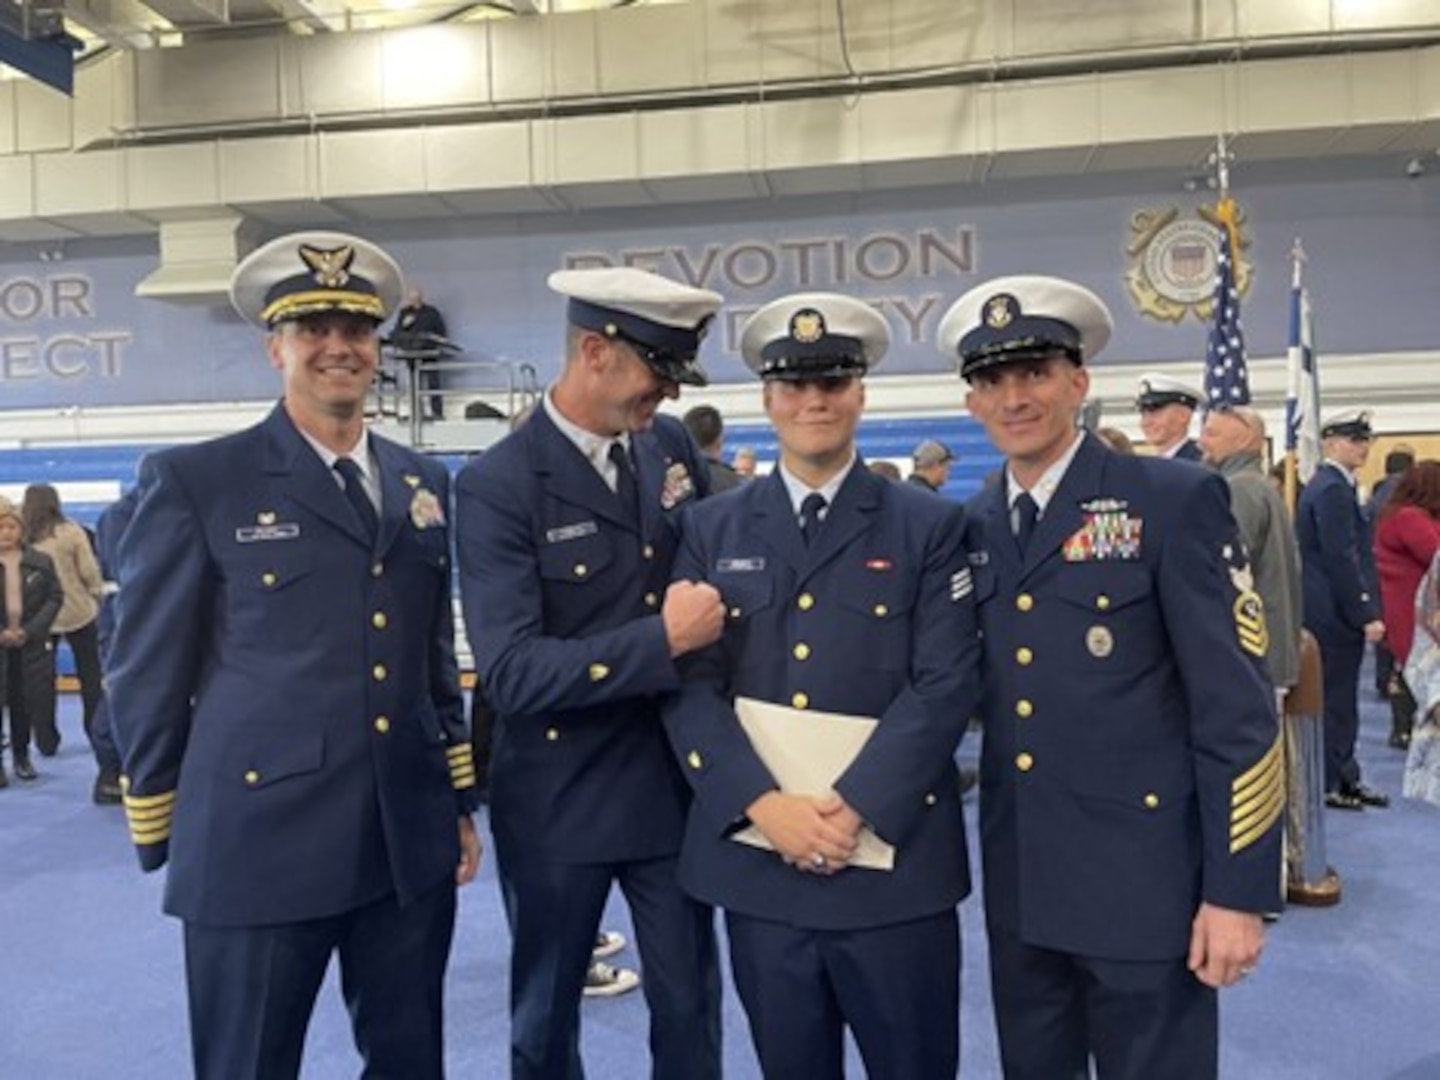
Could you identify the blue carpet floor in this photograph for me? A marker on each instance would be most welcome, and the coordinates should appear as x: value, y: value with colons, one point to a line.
x: 91, y: 983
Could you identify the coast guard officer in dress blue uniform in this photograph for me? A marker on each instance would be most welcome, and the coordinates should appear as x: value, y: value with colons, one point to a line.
x: 848, y: 594
x: 567, y: 530
x: 1342, y: 607
x: 1166, y: 406
x: 284, y: 692
x: 1131, y: 784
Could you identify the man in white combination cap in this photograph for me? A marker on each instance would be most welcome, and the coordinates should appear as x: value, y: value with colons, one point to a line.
x: 567, y: 531
x: 1130, y: 790
x: 284, y: 693
x: 845, y: 594
x: 1166, y: 406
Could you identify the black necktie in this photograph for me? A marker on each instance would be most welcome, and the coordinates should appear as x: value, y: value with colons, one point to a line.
x: 626, y: 488
x: 810, y: 511
x: 355, y: 492
x: 1027, y: 511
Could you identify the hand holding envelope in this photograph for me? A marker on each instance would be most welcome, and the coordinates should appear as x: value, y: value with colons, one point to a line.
x: 807, y: 751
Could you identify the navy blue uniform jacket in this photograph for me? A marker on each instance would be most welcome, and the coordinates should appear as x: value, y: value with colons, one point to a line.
x: 285, y: 699
x: 1337, y: 567
x: 1131, y: 764
x: 877, y: 620
x: 562, y: 594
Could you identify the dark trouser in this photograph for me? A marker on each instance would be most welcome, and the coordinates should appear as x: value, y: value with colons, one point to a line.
x: 1385, y: 667
x: 27, y: 670
x: 1402, y: 711
x: 897, y: 987
x: 1139, y: 1021
x: 1341, y: 661
x: 482, y: 739
x: 554, y: 911
x: 102, y: 735
x: 252, y: 989
x: 85, y: 648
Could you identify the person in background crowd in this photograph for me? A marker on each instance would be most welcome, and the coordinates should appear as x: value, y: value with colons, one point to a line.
x: 109, y: 527
x: 1341, y: 601
x: 68, y: 546
x: 745, y: 462
x: 1399, y: 458
x: 1233, y: 441
x: 1166, y: 406
x: 30, y: 598
x: 566, y: 533
x: 857, y: 591
x: 888, y: 469
x: 1115, y: 439
x: 420, y: 326
x: 1131, y: 788
x: 285, y: 694
x: 931, y: 462
x: 707, y: 428
x: 1407, y: 535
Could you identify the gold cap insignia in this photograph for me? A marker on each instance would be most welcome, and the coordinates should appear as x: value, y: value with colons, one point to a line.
x: 807, y: 326
x: 331, y: 267
x: 1000, y: 311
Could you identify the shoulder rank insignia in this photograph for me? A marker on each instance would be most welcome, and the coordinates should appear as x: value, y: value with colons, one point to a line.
x: 1248, y: 609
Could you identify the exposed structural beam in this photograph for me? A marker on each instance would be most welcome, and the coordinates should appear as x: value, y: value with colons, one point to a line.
x: 33, y: 40
x: 183, y: 14
x: 121, y: 24
x: 320, y: 16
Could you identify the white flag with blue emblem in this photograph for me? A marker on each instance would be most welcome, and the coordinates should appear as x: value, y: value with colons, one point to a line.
x: 1302, y: 396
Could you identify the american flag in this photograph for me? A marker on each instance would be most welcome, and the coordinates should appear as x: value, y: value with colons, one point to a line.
x: 1227, y: 382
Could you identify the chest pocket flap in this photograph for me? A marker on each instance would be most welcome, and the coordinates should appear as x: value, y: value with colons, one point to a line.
x: 576, y: 561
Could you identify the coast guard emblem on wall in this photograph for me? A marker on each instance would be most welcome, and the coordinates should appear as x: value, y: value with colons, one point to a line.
x: 1172, y: 262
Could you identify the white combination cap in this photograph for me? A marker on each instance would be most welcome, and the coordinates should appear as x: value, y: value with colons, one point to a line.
x: 814, y: 336
x: 307, y: 273
x: 1022, y: 318
x: 663, y: 320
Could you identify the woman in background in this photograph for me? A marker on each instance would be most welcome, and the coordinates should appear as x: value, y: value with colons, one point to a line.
x: 68, y: 546
x: 1407, y: 535
x: 29, y: 598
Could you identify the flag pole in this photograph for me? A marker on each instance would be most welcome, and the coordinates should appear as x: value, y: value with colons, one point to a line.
x: 1292, y: 447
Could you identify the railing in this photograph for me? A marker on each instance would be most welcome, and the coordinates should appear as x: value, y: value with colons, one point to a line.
x: 422, y: 384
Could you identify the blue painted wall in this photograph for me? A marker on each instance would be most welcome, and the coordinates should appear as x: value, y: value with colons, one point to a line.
x: 73, y: 333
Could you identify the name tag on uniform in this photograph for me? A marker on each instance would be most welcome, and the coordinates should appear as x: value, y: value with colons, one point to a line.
x: 571, y: 532
x: 740, y: 566
x: 256, y: 534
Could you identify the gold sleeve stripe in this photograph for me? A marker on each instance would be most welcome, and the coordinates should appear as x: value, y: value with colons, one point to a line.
x: 462, y: 778
x: 463, y: 752
x: 142, y: 837
x: 1241, y: 838
x: 1257, y: 799
x: 1259, y: 776
x: 1257, y: 791
x: 141, y: 817
x: 142, y: 802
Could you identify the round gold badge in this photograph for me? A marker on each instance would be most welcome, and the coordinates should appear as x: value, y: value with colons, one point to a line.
x: 1099, y: 641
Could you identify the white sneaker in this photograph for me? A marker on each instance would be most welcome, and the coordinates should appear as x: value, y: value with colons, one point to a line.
x: 602, y: 980
x: 607, y: 944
